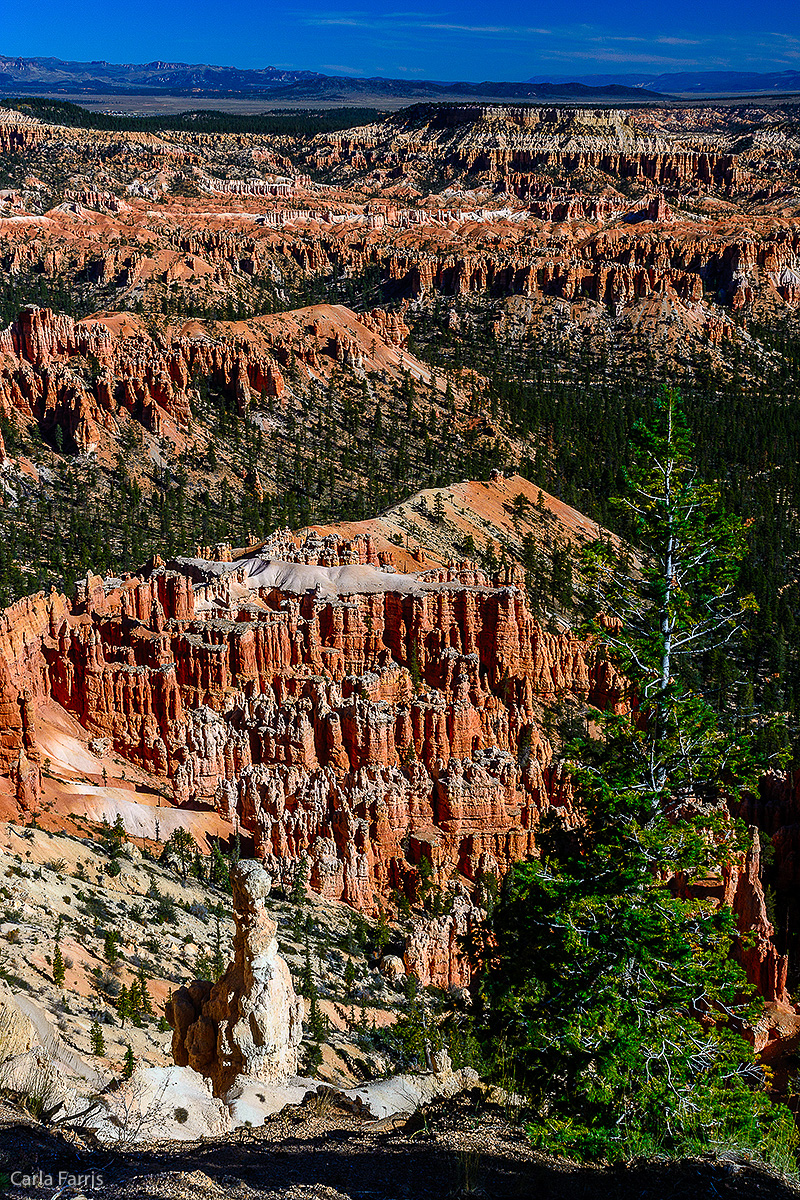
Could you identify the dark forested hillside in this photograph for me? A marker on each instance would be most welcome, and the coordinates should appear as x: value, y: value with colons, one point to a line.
x: 580, y: 407
x: 302, y: 123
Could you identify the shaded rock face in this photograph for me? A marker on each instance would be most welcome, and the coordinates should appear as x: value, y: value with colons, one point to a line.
x: 776, y: 812
x: 435, y: 949
x: 739, y: 887
x: 251, y: 1021
x: 765, y: 968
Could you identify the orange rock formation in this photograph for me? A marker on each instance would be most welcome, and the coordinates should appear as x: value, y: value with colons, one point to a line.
x: 333, y: 710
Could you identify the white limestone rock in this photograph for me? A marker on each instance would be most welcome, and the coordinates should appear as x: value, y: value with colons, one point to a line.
x: 250, y: 1101
x: 159, y: 1104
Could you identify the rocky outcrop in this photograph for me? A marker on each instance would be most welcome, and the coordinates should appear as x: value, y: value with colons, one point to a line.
x: 578, y: 205
x: 384, y: 1098
x: 738, y: 886
x: 515, y: 149
x: 384, y: 728
x: 387, y: 325
x: 570, y: 206
x: 77, y: 378
x: 330, y: 709
x: 765, y: 968
x: 27, y: 779
x: 17, y: 1032
x: 249, y: 1022
x: 43, y: 375
x: 157, y: 1104
x: 436, y: 949
x: 775, y: 810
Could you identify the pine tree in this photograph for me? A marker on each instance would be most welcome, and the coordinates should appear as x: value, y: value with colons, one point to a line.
x: 144, y: 995
x: 97, y: 1039
x: 299, y: 893
x: 413, y: 667
x: 308, y: 989
x: 349, y: 977
x: 438, y: 508
x: 680, y: 605
x: 129, y: 1064
x: 383, y: 932
x: 181, y: 846
x: 219, y: 874
x: 308, y: 984
x: 316, y: 1021
x: 118, y: 836
x: 59, y: 968
x: 617, y: 1002
x: 135, y: 1003
x: 110, y: 946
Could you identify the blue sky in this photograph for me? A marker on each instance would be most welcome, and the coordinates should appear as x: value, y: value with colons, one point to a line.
x: 472, y: 40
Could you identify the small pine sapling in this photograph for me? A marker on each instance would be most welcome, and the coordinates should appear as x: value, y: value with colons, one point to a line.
x: 97, y: 1039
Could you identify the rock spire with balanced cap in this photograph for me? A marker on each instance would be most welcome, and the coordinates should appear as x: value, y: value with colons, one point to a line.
x: 249, y: 1022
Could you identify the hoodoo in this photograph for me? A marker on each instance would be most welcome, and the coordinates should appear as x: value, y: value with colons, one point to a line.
x: 249, y: 1022
x: 345, y: 714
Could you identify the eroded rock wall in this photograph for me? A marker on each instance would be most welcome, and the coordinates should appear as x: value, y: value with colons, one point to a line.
x: 386, y: 730
x: 364, y: 730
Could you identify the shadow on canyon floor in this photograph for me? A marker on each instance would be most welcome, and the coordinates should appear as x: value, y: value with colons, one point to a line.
x: 306, y: 1153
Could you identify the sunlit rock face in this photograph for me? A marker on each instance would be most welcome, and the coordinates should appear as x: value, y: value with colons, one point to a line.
x: 251, y: 1021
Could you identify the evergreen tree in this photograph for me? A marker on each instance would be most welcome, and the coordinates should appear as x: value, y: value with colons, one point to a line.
x: 59, y: 968
x: 617, y: 1002
x: 144, y: 995
x: 182, y: 847
x: 135, y: 1003
x: 308, y: 985
x: 110, y: 946
x: 219, y: 874
x: 681, y: 603
x: 308, y: 989
x: 299, y: 893
x: 438, y: 508
x: 117, y: 836
x: 383, y: 932
x: 97, y: 1039
x: 413, y: 668
x: 129, y: 1064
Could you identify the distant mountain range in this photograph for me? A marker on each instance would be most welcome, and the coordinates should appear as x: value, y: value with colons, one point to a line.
x: 331, y: 87
x: 700, y: 82
x: 35, y: 74
x: 26, y: 76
